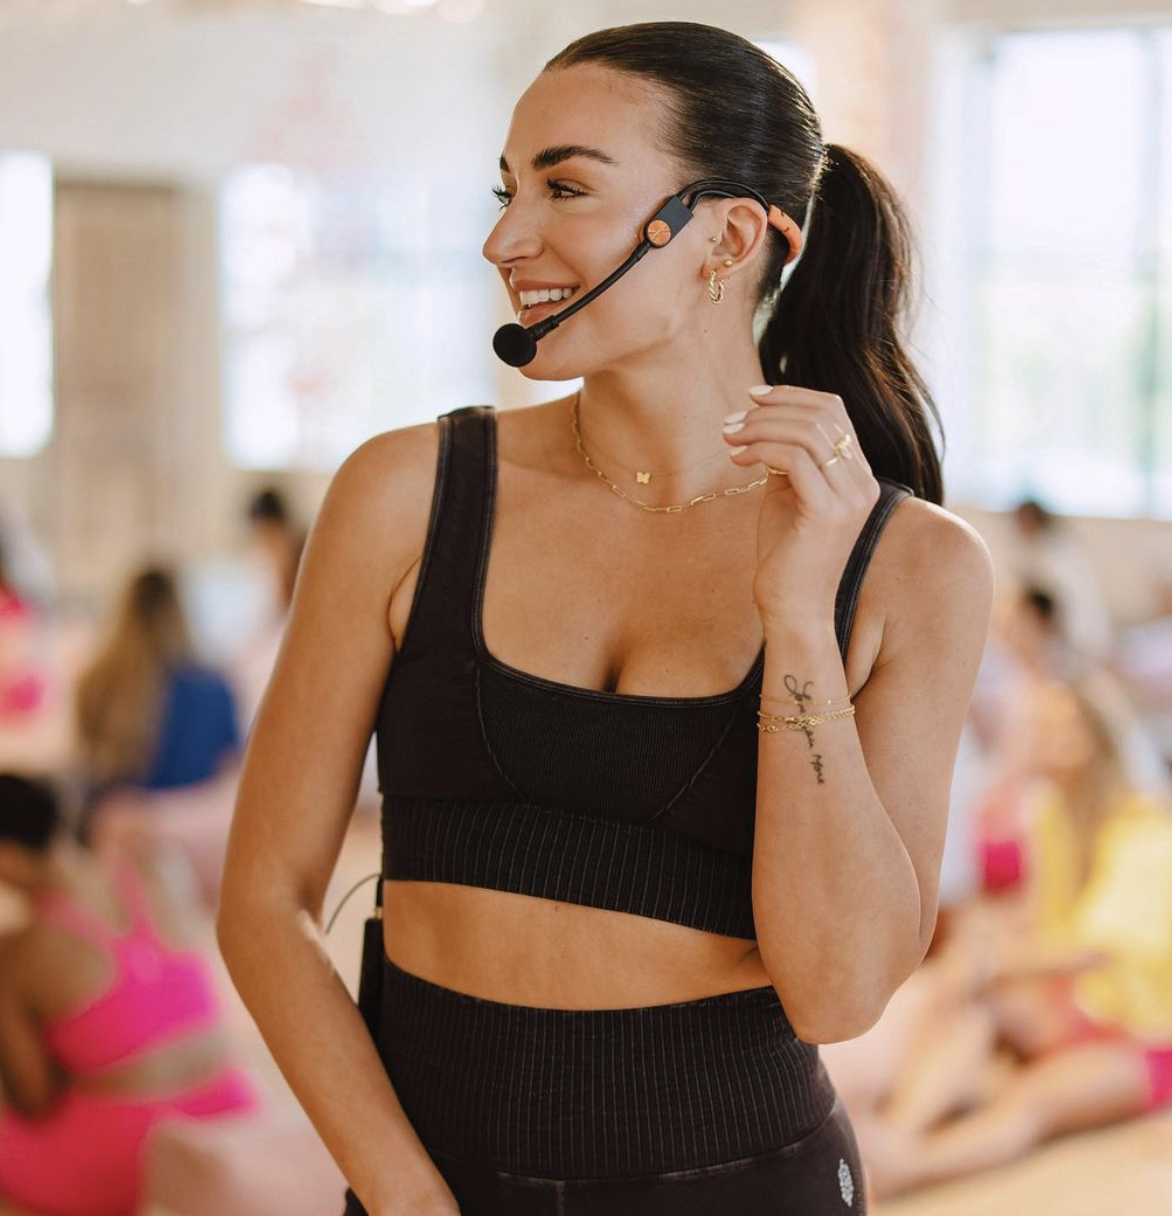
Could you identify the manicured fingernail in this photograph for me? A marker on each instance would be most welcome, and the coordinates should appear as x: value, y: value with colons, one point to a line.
x: 731, y: 428
x: 737, y: 451
x: 759, y: 390
x: 735, y: 417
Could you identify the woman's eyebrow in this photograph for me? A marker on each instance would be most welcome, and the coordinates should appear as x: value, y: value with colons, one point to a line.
x: 547, y: 158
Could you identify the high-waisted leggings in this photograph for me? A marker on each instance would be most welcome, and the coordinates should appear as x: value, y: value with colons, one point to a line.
x: 697, y: 1108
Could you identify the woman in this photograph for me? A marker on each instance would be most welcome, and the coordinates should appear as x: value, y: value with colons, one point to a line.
x: 620, y: 917
x: 148, y: 712
x: 1068, y: 966
x: 158, y: 734
x: 109, y: 1021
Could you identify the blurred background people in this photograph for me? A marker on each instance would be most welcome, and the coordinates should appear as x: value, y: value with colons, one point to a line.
x: 1049, y: 1009
x: 278, y: 541
x: 159, y: 739
x: 1049, y: 557
x: 110, y: 1022
x: 273, y: 552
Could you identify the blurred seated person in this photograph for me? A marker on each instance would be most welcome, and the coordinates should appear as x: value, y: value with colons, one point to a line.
x: 279, y: 542
x: 1050, y: 556
x: 1049, y: 1010
x: 158, y: 734
x: 275, y: 545
x: 109, y: 1020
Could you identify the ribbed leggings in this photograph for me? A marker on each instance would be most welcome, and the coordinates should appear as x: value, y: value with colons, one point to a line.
x: 711, y: 1107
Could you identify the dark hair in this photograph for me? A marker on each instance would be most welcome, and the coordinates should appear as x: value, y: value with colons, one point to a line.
x: 29, y: 812
x: 1031, y: 508
x: 735, y: 112
x: 268, y: 503
x: 1041, y: 602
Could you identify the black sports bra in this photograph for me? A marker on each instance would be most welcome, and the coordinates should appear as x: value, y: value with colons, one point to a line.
x: 495, y: 777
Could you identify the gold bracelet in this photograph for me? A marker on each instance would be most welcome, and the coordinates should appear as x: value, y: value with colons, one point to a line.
x: 789, y: 718
x: 801, y: 721
x: 761, y: 714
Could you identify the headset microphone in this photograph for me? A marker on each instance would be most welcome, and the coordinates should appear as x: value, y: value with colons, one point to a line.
x: 516, y: 344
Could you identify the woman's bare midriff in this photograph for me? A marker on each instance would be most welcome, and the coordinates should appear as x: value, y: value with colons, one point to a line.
x: 524, y: 950
x: 166, y: 1069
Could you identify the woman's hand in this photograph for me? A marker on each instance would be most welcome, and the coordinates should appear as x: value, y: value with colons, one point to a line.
x: 811, y: 518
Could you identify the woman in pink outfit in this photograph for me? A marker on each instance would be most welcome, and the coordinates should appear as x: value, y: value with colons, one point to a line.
x: 108, y: 1022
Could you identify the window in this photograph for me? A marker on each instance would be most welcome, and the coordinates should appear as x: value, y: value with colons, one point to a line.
x: 351, y: 306
x: 1067, y: 227
x: 26, y: 330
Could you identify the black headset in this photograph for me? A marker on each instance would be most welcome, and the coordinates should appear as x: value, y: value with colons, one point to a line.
x: 516, y: 344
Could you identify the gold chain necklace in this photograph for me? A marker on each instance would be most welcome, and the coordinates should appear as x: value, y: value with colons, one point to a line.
x: 644, y: 477
x: 726, y: 493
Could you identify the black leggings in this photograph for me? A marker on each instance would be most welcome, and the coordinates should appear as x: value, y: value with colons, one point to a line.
x: 697, y: 1108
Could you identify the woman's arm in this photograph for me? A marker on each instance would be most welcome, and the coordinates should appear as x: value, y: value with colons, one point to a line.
x: 30, y: 1079
x: 298, y: 786
x: 851, y: 818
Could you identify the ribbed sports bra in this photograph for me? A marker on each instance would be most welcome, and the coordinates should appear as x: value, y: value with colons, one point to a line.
x: 496, y: 777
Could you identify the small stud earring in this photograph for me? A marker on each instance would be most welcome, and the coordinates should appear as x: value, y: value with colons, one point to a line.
x: 728, y: 261
x: 714, y: 238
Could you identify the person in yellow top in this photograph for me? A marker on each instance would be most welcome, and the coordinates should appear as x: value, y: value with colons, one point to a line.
x: 1052, y: 1001
x: 1123, y: 907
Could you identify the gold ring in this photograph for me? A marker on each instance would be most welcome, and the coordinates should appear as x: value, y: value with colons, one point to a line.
x: 828, y: 462
x: 779, y: 472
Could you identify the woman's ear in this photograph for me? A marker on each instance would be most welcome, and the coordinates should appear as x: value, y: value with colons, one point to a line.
x: 743, y: 226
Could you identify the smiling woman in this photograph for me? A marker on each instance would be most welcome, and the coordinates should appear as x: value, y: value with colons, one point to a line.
x: 627, y: 744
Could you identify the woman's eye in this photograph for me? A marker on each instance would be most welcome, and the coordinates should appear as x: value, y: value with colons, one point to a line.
x: 559, y: 190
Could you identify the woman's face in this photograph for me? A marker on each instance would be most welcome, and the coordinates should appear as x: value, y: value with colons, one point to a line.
x: 574, y: 216
x: 1064, y: 742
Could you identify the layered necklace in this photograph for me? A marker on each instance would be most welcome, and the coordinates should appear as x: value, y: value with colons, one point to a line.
x: 644, y: 478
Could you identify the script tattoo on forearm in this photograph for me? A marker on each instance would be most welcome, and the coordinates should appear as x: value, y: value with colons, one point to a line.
x: 801, y: 695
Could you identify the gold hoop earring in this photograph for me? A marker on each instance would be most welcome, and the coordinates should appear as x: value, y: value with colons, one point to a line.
x: 715, y: 295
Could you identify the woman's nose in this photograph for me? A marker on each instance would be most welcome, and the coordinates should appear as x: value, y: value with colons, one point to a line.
x: 513, y: 236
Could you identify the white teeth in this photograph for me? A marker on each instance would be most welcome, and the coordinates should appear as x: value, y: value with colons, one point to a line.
x: 546, y: 295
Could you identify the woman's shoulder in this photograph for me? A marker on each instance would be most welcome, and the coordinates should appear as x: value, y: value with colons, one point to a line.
x: 371, y: 525
x: 1143, y: 821
x: 929, y: 565
x: 389, y: 470
x: 926, y: 530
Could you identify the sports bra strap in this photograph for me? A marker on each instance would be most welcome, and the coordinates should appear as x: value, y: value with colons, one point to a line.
x: 57, y: 909
x: 64, y: 911
x: 129, y: 883
x: 891, y: 493
x: 441, y: 615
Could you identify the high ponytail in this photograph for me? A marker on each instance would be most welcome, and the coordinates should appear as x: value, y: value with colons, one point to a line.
x: 835, y: 325
x: 734, y: 112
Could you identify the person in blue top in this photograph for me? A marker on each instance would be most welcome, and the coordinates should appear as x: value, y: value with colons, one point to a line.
x: 150, y: 715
